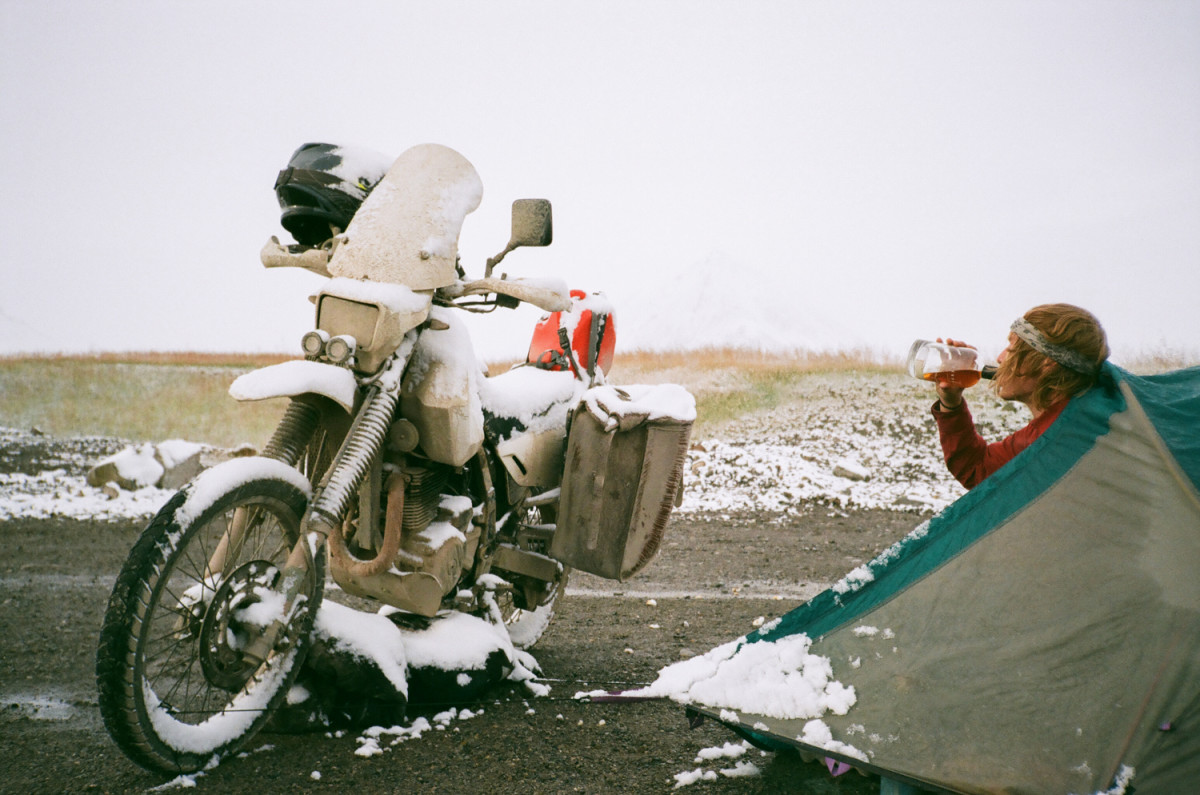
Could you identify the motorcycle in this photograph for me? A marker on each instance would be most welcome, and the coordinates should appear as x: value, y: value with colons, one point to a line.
x: 398, y: 469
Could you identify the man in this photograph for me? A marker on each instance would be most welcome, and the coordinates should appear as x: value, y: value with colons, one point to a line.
x: 1054, y: 352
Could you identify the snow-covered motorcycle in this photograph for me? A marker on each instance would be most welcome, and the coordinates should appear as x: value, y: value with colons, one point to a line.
x: 398, y: 466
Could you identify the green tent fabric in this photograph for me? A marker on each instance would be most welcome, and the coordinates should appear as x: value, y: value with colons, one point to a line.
x: 1042, y: 634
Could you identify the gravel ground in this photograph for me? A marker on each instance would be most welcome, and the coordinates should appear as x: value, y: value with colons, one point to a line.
x: 717, y: 572
x: 732, y: 572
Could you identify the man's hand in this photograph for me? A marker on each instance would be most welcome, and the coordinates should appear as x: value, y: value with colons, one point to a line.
x: 950, y: 396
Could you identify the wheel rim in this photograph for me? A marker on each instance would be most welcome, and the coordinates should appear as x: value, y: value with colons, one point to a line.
x: 192, y: 674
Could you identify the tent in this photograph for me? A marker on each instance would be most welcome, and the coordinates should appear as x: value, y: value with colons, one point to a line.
x: 1042, y: 634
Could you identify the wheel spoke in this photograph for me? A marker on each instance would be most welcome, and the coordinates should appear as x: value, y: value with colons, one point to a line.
x: 189, y: 617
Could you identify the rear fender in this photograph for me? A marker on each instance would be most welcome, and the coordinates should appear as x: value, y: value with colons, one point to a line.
x: 290, y: 379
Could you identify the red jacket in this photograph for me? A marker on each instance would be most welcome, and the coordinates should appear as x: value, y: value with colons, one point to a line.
x: 968, y: 455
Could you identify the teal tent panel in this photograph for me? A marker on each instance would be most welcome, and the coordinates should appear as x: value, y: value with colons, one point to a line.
x: 1043, y: 633
x: 976, y: 514
x: 1172, y: 401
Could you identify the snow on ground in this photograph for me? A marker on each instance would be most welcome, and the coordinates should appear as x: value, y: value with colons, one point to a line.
x: 839, y: 442
x: 843, y: 441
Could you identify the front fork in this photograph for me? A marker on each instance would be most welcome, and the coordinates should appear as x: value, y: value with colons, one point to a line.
x: 330, y: 503
x: 289, y: 443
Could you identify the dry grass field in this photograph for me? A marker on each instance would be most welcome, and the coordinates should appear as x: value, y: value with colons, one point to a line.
x: 163, y: 395
x: 154, y: 396
x: 135, y: 396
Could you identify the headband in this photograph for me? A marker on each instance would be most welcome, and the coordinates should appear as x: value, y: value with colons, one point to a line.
x: 1072, y: 360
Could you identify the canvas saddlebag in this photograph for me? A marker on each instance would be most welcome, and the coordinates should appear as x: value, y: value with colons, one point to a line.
x: 626, y: 451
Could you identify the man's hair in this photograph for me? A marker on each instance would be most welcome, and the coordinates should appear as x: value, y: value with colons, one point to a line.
x: 1065, y: 325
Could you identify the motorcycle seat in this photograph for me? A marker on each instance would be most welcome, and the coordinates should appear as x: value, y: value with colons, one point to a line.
x: 527, y: 399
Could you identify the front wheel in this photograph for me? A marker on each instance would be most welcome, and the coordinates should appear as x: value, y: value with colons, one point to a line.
x: 210, y: 617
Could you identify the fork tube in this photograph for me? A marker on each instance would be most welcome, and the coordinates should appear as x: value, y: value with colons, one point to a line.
x: 232, y: 538
x: 294, y: 431
x: 363, y: 443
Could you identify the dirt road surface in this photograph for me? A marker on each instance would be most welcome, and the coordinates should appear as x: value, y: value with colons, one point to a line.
x: 711, y: 581
x: 714, y: 576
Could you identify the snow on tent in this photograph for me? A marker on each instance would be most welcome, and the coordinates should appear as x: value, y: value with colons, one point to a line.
x: 1040, y: 635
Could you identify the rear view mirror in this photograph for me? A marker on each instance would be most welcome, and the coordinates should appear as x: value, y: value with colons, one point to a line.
x: 531, y: 223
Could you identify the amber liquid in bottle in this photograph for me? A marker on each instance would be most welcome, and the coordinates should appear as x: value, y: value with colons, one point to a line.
x: 958, y: 378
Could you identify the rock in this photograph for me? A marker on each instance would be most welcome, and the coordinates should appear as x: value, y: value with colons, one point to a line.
x: 101, y: 473
x: 211, y: 456
x: 181, y: 461
x: 167, y: 465
x: 851, y: 470
x: 132, y: 468
x: 349, y: 677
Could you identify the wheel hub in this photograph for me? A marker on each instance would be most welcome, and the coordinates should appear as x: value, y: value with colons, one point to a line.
x: 224, y: 636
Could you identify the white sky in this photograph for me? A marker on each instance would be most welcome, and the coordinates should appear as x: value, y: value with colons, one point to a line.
x: 881, y: 170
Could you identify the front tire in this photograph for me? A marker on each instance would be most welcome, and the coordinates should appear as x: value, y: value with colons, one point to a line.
x: 200, y: 642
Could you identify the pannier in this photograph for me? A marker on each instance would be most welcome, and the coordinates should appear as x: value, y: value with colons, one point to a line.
x: 626, y: 452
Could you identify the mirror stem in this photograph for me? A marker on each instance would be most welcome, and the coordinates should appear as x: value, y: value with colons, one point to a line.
x: 494, y: 261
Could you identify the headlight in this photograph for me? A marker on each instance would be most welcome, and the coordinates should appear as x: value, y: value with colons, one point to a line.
x: 313, y: 343
x: 340, y: 349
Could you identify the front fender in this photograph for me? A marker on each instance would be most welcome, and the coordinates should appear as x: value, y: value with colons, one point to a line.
x: 290, y: 379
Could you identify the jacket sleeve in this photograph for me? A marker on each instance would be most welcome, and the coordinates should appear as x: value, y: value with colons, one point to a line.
x: 969, y: 457
x: 965, y: 451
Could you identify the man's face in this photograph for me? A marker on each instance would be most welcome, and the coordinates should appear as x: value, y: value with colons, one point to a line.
x: 1014, y: 387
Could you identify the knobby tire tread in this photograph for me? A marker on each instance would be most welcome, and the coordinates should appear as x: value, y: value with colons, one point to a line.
x: 116, y: 673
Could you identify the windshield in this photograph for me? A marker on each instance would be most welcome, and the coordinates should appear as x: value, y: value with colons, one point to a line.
x: 406, y: 232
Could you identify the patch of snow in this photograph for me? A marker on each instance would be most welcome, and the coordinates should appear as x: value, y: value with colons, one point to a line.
x: 297, y: 378
x: 817, y: 733
x: 611, y: 405
x: 778, y: 678
x: 210, y: 734
x: 854, y: 580
x: 726, y: 751
x: 372, y: 741
x: 366, y: 635
x: 1121, y: 783
x: 812, y: 450
x: 137, y: 466
x: 54, y: 494
x: 215, y: 482
x: 690, y: 777
x: 741, y: 770
x: 538, y: 399
x: 456, y: 642
x: 359, y: 163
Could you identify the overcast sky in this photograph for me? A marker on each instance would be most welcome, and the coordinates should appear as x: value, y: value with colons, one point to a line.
x: 794, y: 171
